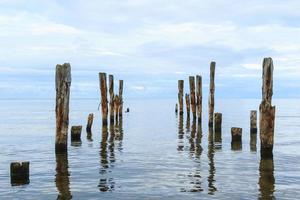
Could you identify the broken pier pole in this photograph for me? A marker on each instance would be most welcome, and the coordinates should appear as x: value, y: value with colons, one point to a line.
x: 236, y: 138
x: 192, y: 96
x: 121, y: 98
x: 267, y: 111
x: 76, y: 133
x: 111, y: 97
x: 211, y: 100
x: 89, y: 123
x: 19, y: 173
x: 253, y: 122
x: 199, y: 97
x: 103, y: 90
x: 188, y: 103
x: 180, y: 96
x: 62, y: 86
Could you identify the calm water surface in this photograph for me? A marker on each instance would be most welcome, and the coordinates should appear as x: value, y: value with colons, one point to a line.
x: 150, y: 154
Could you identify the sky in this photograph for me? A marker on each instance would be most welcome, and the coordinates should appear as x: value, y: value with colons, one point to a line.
x: 150, y: 44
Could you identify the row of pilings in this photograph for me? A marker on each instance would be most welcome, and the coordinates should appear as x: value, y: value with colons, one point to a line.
x: 266, y: 110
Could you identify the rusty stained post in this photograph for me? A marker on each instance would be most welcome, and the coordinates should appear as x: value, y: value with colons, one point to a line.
x: 267, y: 111
x: 199, y: 97
x: 103, y: 90
x: 192, y: 96
x: 180, y: 96
x: 188, y: 103
x: 62, y: 86
x: 89, y: 123
x: 211, y: 100
x: 121, y: 98
x: 111, y: 97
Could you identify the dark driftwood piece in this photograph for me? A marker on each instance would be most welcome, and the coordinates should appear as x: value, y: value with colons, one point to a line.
x: 211, y: 100
x: 111, y: 97
x: 89, y: 123
x: 62, y: 85
x: 76, y: 133
x: 103, y: 90
x: 187, y: 103
x: 199, y: 97
x: 180, y: 96
x: 121, y: 98
x: 218, y: 122
x: 267, y: 111
x: 192, y: 96
x: 19, y: 173
x: 253, y: 122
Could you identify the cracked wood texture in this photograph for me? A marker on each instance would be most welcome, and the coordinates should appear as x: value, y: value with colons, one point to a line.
x: 62, y: 85
x: 103, y: 90
x: 180, y: 96
x: 199, y: 96
x: 267, y: 111
x: 211, y: 100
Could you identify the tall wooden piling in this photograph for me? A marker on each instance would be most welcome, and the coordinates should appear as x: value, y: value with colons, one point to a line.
x: 103, y: 90
x: 187, y: 105
x: 111, y: 97
x: 117, y: 107
x: 89, y: 123
x: 199, y: 97
x: 267, y: 111
x: 180, y: 96
x: 253, y: 122
x: 192, y: 96
x: 121, y: 98
x: 62, y: 85
x: 211, y: 100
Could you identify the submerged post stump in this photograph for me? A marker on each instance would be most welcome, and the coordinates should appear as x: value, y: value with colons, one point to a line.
x: 199, y: 97
x: 236, y: 138
x: 76, y: 133
x: 218, y: 122
x: 180, y: 96
x: 19, y: 173
x: 267, y: 111
x: 211, y: 100
x: 253, y: 122
x: 121, y: 98
x: 187, y: 101
x: 192, y: 96
x: 89, y: 123
x: 111, y: 97
x: 62, y: 86
x: 103, y: 90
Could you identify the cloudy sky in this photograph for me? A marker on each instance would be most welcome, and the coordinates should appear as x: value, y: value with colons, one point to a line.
x: 150, y: 44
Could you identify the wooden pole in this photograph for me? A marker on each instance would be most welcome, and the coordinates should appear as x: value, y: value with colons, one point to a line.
x: 211, y: 100
x: 187, y: 101
x: 253, y: 122
x: 117, y: 107
x: 192, y: 96
x: 19, y: 173
x: 199, y: 97
x: 111, y: 97
x: 76, y: 133
x: 267, y: 111
x: 236, y: 138
x: 103, y: 89
x: 89, y: 123
x: 218, y: 122
x: 121, y: 98
x: 62, y: 85
x: 180, y: 96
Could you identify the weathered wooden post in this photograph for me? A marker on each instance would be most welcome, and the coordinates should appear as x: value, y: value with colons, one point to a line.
x: 176, y: 108
x: 253, y: 140
x: 19, y: 173
x: 192, y: 96
x: 199, y: 97
x: 267, y: 111
x: 187, y: 101
x: 121, y: 98
x: 111, y: 97
x: 117, y: 107
x: 218, y: 122
x: 236, y: 138
x: 180, y: 96
x: 89, y: 123
x: 76, y: 133
x: 62, y: 86
x: 253, y: 122
x: 211, y: 100
x: 103, y: 89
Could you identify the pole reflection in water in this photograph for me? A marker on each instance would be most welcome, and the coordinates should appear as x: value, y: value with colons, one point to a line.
x: 180, y: 134
x: 192, y: 138
x: 119, y: 134
x: 266, y: 179
x: 89, y: 136
x: 62, y: 177
x: 218, y: 139
x: 212, y: 170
